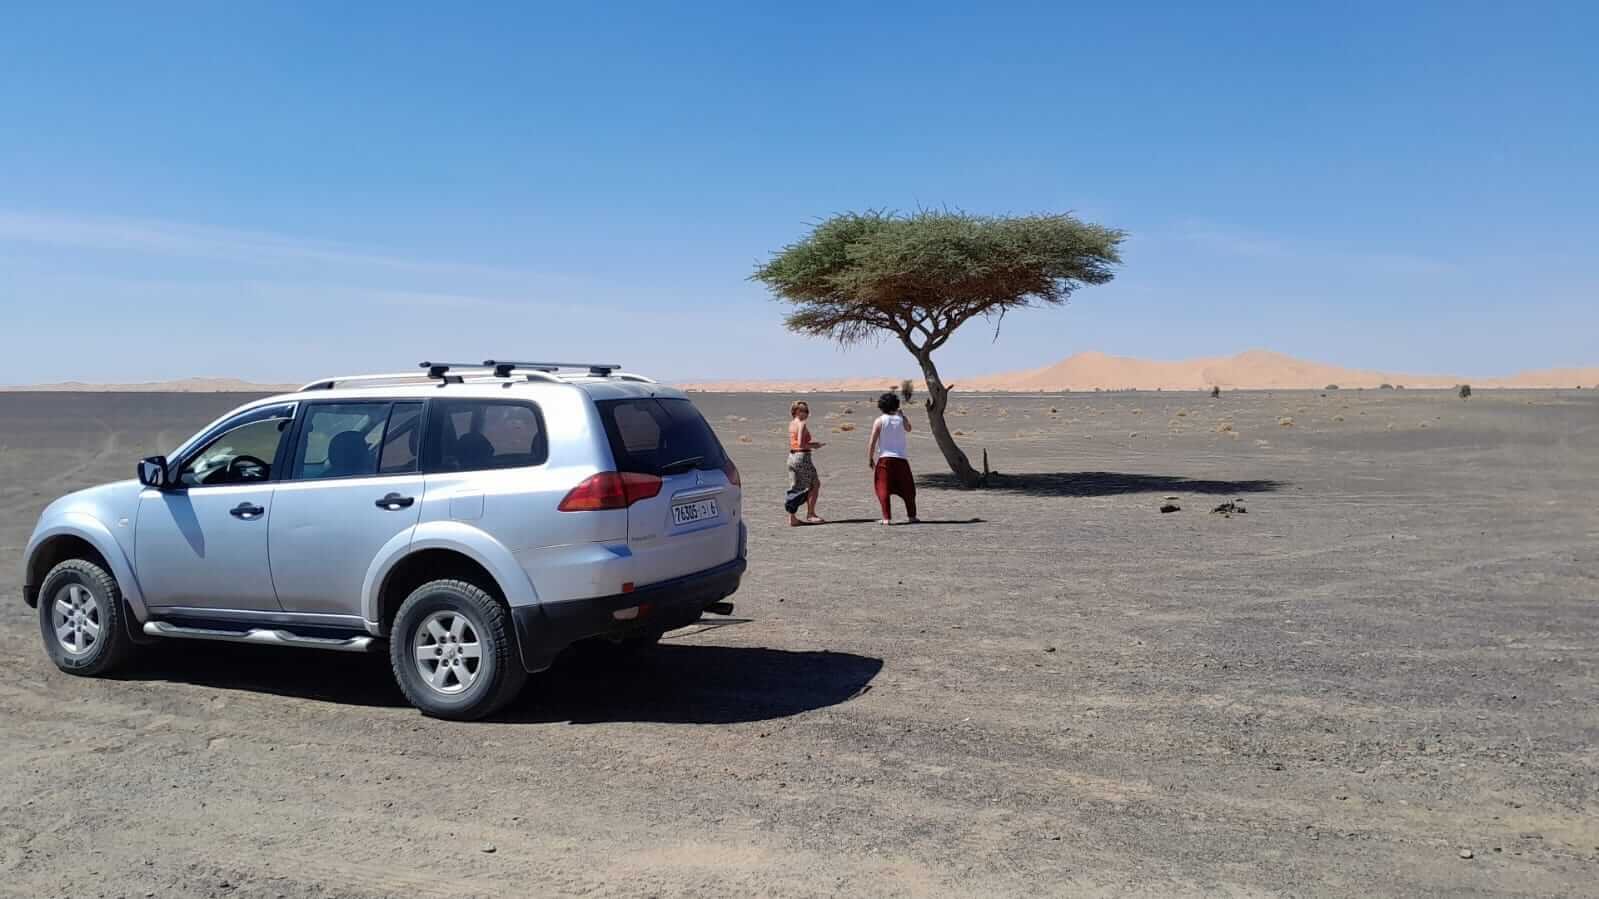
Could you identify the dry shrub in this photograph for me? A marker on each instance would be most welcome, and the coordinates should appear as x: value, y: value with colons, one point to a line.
x: 1138, y: 412
x: 846, y: 426
x: 1285, y: 422
x: 1173, y: 423
x: 1338, y: 418
x: 959, y: 433
x: 1053, y: 411
x: 745, y: 438
x: 1132, y: 434
x: 1225, y: 427
x: 848, y: 411
x: 1182, y: 413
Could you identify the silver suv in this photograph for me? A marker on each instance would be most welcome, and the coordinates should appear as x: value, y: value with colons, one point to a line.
x: 476, y: 519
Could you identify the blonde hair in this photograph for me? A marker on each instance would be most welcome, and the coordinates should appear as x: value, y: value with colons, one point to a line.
x: 794, y: 407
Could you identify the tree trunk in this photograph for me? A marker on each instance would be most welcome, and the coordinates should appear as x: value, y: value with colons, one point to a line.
x: 937, y: 401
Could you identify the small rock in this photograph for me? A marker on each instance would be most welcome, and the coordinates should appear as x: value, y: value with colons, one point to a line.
x: 488, y: 849
x: 1467, y: 853
x: 1170, y: 507
x: 1049, y: 649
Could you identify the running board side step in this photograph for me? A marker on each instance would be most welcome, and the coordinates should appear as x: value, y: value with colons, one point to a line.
x: 268, y: 636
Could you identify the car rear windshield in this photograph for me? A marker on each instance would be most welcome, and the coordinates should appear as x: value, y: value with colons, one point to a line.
x: 653, y: 436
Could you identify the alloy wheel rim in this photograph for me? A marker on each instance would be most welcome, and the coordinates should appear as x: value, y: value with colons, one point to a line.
x: 447, y: 652
x: 75, y: 614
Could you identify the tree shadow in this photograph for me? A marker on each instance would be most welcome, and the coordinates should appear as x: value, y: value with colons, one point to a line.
x: 673, y: 683
x: 1100, y: 483
x: 897, y: 522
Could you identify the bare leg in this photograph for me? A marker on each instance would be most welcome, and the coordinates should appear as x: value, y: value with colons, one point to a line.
x: 810, y: 501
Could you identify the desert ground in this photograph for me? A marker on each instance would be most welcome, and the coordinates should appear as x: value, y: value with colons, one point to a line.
x: 1391, y: 661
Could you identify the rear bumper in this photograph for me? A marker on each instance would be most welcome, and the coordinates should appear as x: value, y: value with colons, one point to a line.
x: 543, y: 630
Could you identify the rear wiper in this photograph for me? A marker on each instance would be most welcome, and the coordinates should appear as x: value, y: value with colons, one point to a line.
x: 681, y: 465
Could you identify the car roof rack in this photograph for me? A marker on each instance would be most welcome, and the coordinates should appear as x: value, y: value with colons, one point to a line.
x: 503, y: 368
x: 457, y: 373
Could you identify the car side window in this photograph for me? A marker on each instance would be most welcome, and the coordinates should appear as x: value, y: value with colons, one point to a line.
x: 242, y: 451
x: 401, y: 440
x: 478, y: 435
x: 340, y: 440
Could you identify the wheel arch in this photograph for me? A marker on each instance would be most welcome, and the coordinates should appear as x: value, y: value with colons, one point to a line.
x: 450, y: 550
x: 79, y: 536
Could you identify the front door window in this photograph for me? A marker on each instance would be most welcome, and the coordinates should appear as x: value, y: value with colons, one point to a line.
x: 242, y: 452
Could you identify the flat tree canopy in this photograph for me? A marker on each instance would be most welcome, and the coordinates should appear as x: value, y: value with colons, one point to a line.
x: 920, y: 276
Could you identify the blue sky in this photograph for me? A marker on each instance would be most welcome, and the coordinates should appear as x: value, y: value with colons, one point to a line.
x: 279, y: 191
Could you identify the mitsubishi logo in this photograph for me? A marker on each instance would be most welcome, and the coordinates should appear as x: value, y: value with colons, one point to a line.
x: 698, y: 479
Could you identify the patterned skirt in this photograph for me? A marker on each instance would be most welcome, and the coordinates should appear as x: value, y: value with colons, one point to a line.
x: 801, y: 478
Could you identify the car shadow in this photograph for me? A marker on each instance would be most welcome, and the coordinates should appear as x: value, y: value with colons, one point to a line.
x: 1101, y: 483
x: 672, y: 683
x: 339, y: 677
x: 683, y: 684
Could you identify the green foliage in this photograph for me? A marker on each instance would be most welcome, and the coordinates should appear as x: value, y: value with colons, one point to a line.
x: 920, y: 276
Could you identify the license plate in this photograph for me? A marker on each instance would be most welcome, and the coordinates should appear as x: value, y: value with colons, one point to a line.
x: 689, y: 513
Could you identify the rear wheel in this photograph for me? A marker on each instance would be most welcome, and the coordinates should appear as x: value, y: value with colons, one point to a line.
x: 452, y: 651
x: 83, y: 619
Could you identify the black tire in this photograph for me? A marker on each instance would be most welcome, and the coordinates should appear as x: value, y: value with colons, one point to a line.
x: 499, y: 675
x: 111, y: 645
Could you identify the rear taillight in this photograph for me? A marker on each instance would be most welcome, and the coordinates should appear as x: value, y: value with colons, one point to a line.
x: 731, y: 471
x: 610, y: 490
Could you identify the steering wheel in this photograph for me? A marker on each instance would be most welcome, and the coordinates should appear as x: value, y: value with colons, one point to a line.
x: 247, y: 468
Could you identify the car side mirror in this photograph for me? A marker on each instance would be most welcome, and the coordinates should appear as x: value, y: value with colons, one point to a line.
x: 153, y: 472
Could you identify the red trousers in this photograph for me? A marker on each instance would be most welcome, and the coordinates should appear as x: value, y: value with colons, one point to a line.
x: 893, y: 478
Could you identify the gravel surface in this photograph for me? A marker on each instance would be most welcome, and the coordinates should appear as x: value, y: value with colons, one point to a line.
x: 1378, y: 679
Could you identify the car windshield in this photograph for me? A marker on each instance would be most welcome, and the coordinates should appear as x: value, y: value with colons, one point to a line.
x: 659, y: 436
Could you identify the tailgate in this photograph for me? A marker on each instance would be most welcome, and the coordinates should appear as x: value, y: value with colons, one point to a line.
x: 692, y: 524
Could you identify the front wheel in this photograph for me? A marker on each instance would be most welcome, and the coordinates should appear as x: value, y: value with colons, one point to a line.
x: 452, y: 651
x: 83, y: 619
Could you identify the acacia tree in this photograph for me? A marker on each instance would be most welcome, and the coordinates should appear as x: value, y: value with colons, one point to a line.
x: 918, y: 277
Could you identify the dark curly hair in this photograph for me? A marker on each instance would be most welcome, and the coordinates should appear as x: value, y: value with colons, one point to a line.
x: 888, y: 403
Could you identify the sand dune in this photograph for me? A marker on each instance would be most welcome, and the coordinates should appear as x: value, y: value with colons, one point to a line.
x: 184, y: 385
x: 1252, y: 370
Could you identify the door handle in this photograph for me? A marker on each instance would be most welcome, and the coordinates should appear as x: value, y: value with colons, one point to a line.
x: 394, y: 502
x: 246, y: 510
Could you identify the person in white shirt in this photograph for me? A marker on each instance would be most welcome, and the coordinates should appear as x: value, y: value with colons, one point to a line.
x: 889, y: 457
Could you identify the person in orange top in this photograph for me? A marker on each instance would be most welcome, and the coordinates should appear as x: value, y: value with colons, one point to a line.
x: 804, y: 485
